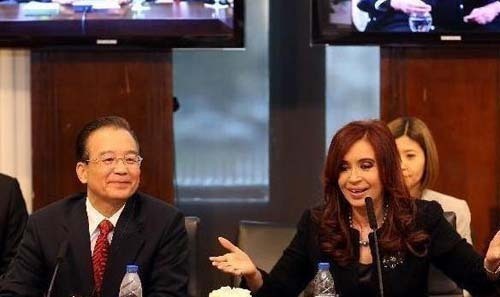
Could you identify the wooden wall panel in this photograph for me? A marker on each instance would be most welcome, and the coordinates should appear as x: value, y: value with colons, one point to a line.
x: 456, y: 92
x: 72, y: 88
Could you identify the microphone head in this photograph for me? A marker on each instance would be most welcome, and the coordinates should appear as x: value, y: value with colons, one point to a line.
x: 370, y: 211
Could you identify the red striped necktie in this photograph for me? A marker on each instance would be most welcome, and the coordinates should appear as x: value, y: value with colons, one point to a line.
x: 100, y: 255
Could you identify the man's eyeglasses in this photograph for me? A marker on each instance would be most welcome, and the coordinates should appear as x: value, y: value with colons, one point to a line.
x: 130, y: 160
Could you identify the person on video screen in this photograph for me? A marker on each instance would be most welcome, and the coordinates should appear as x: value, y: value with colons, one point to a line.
x: 486, y: 16
x: 69, y: 2
x: 431, y: 15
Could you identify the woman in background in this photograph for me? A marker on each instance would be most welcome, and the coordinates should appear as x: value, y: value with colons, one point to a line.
x: 363, y: 161
x: 420, y: 166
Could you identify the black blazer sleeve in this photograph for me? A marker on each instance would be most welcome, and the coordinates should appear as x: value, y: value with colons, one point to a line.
x: 169, y: 276
x: 455, y: 257
x: 13, y: 217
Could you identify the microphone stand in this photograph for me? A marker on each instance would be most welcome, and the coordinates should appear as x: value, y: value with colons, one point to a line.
x: 379, y: 267
x: 59, y: 259
x: 372, y: 219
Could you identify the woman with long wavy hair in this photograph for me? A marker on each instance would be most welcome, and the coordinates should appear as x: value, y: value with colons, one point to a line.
x: 363, y: 161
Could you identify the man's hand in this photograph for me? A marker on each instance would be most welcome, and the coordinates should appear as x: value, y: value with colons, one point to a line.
x: 483, y: 15
x: 409, y: 6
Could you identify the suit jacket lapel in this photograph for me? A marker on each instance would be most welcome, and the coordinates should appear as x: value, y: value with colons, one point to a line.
x: 127, y: 242
x: 79, y: 256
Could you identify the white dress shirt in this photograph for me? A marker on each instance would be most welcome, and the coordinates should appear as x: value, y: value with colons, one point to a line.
x: 458, y: 206
x: 95, y: 218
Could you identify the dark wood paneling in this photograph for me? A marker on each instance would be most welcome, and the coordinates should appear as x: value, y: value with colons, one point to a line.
x: 456, y: 92
x: 72, y: 88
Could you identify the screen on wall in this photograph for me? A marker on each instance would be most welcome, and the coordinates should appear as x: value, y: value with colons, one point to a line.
x: 121, y: 23
x: 405, y: 21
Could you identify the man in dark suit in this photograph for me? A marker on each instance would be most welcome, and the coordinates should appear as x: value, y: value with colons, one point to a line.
x: 108, y: 227
x: 13, y: 217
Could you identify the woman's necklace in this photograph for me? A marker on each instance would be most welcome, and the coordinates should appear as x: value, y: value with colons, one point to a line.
x: 366, y: 243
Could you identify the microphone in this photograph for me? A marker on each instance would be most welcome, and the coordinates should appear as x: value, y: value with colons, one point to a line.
x: 372, y: 220
x: 59, y: 259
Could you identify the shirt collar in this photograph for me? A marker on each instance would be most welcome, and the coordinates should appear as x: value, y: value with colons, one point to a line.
x: 95, y: 217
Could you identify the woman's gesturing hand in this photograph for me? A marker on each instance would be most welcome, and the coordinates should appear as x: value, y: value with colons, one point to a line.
x: 237, y: 262
x: 492, y: 259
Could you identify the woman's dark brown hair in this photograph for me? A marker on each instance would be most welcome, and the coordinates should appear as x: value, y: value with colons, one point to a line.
x: 417, y: 130
x: 398, y: 231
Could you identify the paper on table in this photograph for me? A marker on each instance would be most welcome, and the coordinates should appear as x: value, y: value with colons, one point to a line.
x: 98, y: 4
x: 34, y: 8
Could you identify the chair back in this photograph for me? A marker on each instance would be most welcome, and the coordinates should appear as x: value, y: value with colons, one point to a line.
x: 439, y: 285
x: 192, y: 225
x: 264, y: 242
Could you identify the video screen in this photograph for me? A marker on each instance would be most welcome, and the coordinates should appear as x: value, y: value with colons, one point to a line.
x: 157, y: 23
x: 395, y: 20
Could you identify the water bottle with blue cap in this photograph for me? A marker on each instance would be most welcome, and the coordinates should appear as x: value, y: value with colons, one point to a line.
x: 131, y: 283
x: 324, y: 285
